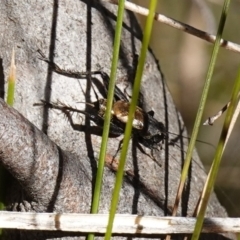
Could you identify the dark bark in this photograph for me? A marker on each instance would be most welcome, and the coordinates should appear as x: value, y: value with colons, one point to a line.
x: 48, y: 177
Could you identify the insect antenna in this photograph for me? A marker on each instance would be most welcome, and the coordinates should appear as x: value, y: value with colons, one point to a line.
x: 178, y: 136
x: 180, y: 146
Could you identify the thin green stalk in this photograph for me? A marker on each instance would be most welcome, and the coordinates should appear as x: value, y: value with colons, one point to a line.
x: 217, y: 159
x: 201, y: 106
x: 106, y: 127
x: 128, y: 129
x: 220, y: 147
x: 11, y: 81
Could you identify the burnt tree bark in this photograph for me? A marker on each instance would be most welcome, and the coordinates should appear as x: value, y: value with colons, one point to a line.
x: 58, y: 174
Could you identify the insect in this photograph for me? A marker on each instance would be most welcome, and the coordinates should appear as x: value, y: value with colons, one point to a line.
x: 148, y: 131
x: 146, y: 128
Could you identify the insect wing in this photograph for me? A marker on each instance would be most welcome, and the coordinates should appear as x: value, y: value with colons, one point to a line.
x: 121, y: 111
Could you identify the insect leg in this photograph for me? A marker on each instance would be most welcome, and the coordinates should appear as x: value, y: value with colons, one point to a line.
x: 57, y: 69
x: 68, y: 73
x: 80, y: 75
x: 64, y: 108
x: 118, y: 94
x: 92, y: 114
x: 151, y: 155
x: 118, y: 149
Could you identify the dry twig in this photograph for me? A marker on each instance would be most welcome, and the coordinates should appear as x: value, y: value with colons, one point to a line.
x: 180, y: 26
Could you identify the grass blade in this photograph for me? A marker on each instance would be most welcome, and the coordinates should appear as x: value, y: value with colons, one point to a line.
x: 218, y: 155
x: 128, y: 129
x: 11, y: 81
x: 208, y: 188
x: 201, y: 108
x: 106, y: 127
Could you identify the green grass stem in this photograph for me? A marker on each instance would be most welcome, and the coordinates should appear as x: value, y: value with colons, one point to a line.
x: 201, y: 108
x: 218, y: 155
x: 128, y: 129
x: 217, y: 158
x: 11, y: 81
x: 106, y: 127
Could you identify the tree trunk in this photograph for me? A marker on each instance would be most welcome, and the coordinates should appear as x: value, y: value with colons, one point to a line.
x: 59, y: 174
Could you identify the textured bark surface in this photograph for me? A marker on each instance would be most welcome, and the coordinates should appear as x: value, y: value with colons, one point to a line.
x: 58, y: 174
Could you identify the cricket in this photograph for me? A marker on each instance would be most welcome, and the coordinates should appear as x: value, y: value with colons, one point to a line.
x: 148, y: 131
